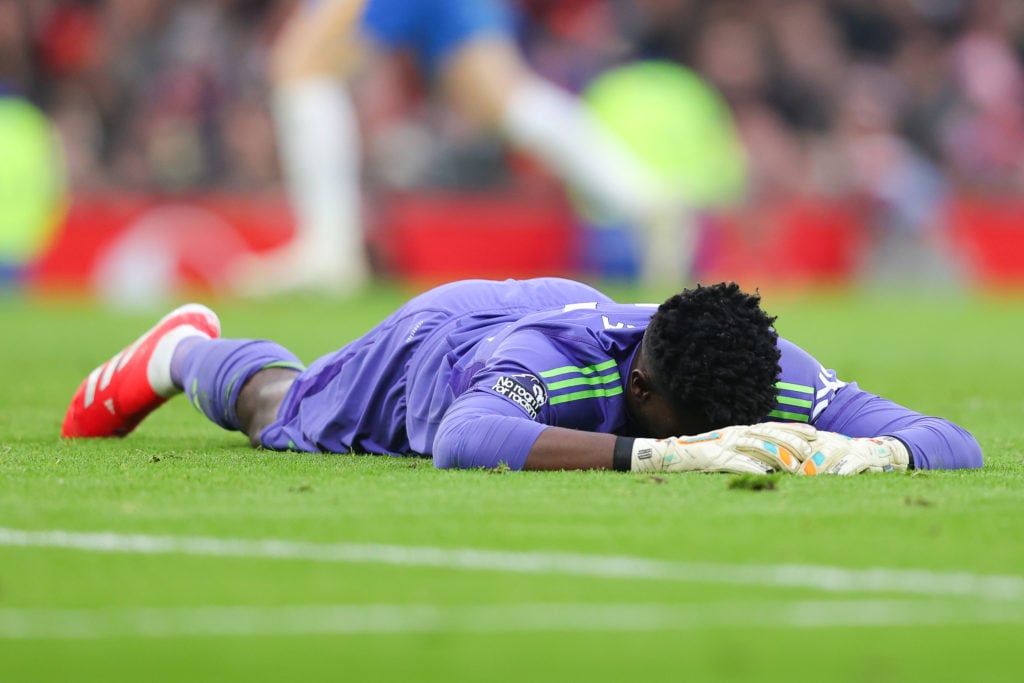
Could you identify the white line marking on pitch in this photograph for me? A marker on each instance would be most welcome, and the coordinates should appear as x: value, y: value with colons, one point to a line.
x: 164, y: 622
x: 821, y: 577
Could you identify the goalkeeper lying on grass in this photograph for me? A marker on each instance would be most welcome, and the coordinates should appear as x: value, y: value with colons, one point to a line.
x: 536, y: 374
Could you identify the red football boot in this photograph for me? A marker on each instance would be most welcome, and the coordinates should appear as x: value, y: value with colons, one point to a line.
x: 117, y: 395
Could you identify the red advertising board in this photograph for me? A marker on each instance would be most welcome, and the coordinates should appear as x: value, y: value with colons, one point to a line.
x: 148, y: 244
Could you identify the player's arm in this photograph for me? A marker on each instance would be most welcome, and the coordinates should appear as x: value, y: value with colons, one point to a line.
x: 885, y: 435
x: 740, y: 449
x: 485, y: 430
x: 503, y: 416
x: 558, y: 448
x: 929, y: 442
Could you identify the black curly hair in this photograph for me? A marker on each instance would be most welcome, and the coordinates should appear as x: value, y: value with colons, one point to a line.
x: 713, y: 352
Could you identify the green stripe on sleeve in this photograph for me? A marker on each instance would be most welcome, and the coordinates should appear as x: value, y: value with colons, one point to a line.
x: 786, y: 415
x: 801, y: 402
x: 789, y: 386
x: 589, y: 393
x: 577, y: 381
x: 586, y: 370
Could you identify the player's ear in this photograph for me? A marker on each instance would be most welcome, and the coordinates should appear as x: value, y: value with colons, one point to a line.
x: 640, y: 385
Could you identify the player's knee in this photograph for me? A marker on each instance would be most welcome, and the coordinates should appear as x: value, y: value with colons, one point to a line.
x: 479, y: 78
x: 299, y: 54
x: 290, y: 62
x: 312, y: 48
x: 260, y: 400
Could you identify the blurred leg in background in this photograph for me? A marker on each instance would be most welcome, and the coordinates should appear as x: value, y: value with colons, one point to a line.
x: 468, y: 49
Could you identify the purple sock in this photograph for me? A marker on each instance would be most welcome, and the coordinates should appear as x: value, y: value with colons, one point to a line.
x: 213, y: 372
x: 181, y: 352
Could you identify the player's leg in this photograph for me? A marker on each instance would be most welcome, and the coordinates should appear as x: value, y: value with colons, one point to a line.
x: 319, y: 142
x: 237, y: 383
x: 260, y: 400
x: 116, y: 396
x: 487, y: 80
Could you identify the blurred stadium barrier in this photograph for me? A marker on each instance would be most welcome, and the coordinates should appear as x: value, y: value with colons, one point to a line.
x: 989, y: 233
x: 151, y: 245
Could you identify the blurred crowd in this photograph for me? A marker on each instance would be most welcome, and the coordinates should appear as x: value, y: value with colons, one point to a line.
x: 894, y: 100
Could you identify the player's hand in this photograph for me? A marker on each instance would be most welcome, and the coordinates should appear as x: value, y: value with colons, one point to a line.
x: 834, y: 453
x: 754, y: 449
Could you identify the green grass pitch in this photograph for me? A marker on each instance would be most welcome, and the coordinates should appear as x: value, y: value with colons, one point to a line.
x: 387, y: 569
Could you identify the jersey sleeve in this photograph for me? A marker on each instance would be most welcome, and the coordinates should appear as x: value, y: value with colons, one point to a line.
x: 496, y: 417
x: 810, y: 393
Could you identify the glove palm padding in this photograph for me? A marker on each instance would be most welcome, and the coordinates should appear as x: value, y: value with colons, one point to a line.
x: 745, y: 449
x: 838, y: 454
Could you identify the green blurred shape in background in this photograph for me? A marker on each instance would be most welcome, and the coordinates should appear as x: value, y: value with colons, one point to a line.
x: 31, y: 182
x: 676, y: 123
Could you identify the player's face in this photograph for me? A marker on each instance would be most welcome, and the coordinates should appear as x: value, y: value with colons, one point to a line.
x: 657, y: 418
x: 651, y: 414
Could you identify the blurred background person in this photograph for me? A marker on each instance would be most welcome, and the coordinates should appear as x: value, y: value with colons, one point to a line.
x: 468, y: 48
x: 32, y: 180
x: 896, y: 108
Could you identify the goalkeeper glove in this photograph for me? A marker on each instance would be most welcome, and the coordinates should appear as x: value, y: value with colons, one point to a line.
x: 834, y: 453
x: 755, y: 449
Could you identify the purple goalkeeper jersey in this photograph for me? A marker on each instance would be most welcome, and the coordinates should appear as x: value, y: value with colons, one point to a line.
x: 472, y: 372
